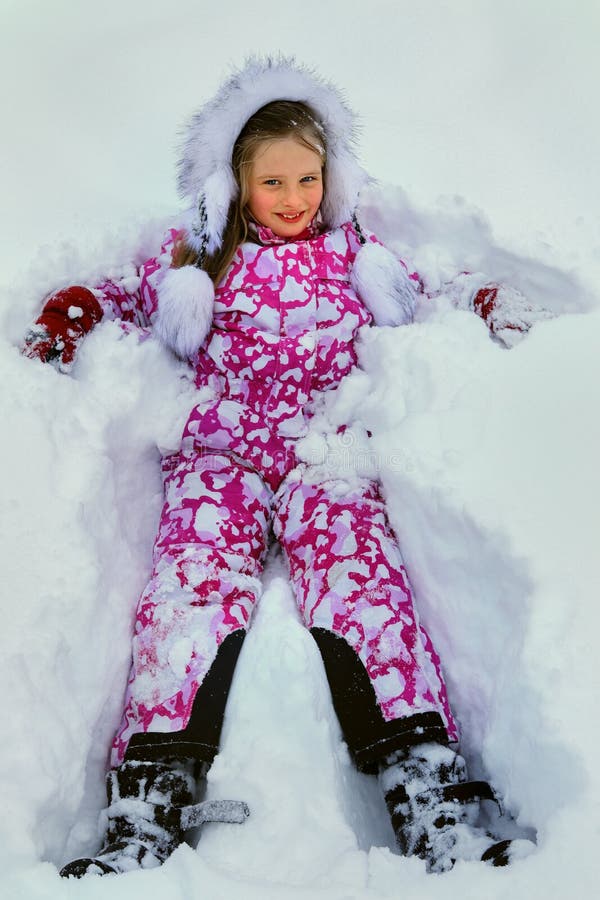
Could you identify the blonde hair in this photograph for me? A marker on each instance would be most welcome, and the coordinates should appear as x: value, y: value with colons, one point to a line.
x: 277, y: 120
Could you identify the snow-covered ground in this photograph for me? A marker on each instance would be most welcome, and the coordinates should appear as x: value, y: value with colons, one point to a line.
x: 488, y: 457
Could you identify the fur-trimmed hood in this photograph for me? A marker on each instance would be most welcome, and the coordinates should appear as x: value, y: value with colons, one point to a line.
x: 205, y: 174
x: 207, y: 183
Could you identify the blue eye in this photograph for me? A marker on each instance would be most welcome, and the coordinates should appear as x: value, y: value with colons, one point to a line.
x: 271, y: 181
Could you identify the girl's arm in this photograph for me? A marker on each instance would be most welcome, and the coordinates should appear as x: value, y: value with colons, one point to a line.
x: 132, y: 298
x: 69, y: 314
x: 389, y: 288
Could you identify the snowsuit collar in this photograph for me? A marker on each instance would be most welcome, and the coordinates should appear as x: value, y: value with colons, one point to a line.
x: 267, y: 237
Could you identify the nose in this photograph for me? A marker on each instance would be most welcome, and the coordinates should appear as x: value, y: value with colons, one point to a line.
x: 291, y: 197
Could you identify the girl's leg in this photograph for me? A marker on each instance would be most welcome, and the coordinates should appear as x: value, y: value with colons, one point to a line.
x: 194, y: 612
x: 354, y: 595
x: 190, y: 622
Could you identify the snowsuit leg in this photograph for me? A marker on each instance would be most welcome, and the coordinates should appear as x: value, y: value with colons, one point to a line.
x: 353, y: 592
x: 193, y: 614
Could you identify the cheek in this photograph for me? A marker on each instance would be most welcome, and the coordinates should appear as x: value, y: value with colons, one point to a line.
x: 258, y: 203
x: 316, y: 196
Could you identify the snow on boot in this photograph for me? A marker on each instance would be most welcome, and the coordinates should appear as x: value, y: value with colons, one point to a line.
x: 434, y: 809
x: 148, y: 813
x: 141, y: 830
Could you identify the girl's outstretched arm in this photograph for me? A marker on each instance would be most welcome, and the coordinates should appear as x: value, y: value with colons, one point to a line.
x: 389, y: 289
x: 69, y: 314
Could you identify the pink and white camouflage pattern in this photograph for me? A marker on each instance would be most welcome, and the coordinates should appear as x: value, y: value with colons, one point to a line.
x: 349, y: 578
x: 207, y: 559
x: 284, y: 327
x: 285, y: 322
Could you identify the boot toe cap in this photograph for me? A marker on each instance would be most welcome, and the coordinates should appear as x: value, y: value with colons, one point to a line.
x: 86, y: 866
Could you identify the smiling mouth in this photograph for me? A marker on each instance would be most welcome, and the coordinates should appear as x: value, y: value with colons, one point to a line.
x: 290, y: 218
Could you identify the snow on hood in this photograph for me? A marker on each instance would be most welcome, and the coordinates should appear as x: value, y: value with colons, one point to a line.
x: 205, y: 161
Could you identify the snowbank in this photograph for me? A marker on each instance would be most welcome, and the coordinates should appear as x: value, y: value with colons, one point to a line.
x: 488, y: 459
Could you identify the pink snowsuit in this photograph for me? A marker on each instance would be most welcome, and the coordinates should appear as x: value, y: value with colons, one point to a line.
x: 285, y: 321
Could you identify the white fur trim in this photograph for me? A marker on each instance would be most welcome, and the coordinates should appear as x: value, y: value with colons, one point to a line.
x: 205, y: 162
x: 185, y: 309
x: 382, y: 283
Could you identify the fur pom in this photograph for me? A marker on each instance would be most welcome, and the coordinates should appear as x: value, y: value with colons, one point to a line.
x: 185, y: 309
x: 383, y: 284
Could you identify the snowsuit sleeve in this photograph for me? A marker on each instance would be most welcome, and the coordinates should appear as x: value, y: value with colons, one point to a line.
x: 387, y: 290
x: 131, y: 296
x: 389, y: 286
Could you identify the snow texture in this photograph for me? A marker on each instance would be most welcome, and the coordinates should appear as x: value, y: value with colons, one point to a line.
x: 488, y: 457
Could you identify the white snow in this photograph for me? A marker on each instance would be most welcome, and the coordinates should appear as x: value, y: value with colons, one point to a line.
x: 488, y: 458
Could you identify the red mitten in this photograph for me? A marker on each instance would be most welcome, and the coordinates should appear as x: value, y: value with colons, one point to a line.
x: 66, y: 317
x: 508, y: 315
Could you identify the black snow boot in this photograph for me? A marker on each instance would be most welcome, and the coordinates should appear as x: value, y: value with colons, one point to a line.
x: 149, y: 811
x: 434, y: 809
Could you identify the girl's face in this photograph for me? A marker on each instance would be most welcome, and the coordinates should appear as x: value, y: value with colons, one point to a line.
x: 285, y: 185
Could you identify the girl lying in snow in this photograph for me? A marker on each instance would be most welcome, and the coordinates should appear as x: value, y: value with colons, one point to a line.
x: 265, y: 292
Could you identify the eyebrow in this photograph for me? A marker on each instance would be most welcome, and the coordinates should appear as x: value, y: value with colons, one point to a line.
x: 274, y: 175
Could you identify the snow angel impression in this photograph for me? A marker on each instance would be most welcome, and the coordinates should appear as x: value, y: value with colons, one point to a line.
x: 264, y: 291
